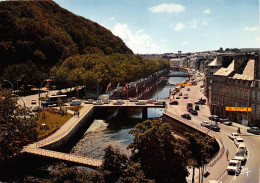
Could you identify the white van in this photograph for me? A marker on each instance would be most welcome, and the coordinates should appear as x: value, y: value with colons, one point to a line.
x: 75, y: 103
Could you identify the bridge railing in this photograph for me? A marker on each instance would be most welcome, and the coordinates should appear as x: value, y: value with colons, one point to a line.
x: 64, y: 156
x: 56, y: 138
x: 204, y: 130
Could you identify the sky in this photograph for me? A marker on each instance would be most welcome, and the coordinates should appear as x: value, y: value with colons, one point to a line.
x: 169, y: 26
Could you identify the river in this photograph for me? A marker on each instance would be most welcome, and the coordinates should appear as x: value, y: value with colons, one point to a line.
x: 114, y: 129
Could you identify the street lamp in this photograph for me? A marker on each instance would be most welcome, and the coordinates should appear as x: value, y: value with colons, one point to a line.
x: 12, y: 84
x: 157, y: 86
x: 23, y: 107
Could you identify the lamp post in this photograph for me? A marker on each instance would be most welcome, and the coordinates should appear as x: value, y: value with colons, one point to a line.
x: 12, y: 84
x: 40, y: 92
x: 157, y: 87
x: 23, y: 106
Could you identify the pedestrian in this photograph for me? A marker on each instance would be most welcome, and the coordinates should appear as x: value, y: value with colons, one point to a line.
x: 78, y: 114
x: 74, y: 114
x: 238, y: 130
x: 227, y: 153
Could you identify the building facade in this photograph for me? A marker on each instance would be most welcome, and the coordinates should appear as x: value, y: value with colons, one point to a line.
x: 235, y: 86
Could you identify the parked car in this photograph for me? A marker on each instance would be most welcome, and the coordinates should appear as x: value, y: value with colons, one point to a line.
x: 214, y: 127
x: 242, y: 148
x: 185, y: 96
x: 233, y: 136
x: 75, y: 103
x: 118, y: 102
x: 89, y: 101
x: 187, y: 116
x: 188, y: 89
x: 189, y: 105
x: 234, y: 166
x: 151, y: 101
x: 33, y: 101
x: 254, y: 130
x: 180, y: 94
x: 175, y: 102
x: 241, y: 157
x: 205, y: 124
x: 225, y: 121
x: 194, y: 112
x: 98, y: 102
x: 134, y: 100
x: 106, y: 101
x: 214, y: 118
x: 140, y: 103
x: 238, y: 141
x: 197, y: 107
x: 160, y: 103
x: 177, y: 97
x: 214, y: 181
x: 36, y: 109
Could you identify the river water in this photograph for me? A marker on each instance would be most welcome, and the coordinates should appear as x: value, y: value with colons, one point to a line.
x: 114, y: 128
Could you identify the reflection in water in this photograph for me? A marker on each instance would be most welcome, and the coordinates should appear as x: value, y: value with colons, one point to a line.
x: 115, y: 129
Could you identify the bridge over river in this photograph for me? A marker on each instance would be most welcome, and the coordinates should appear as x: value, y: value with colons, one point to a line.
x: 45, y: 146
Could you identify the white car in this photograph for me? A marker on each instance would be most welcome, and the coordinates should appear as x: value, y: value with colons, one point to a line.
x: 234, y: 166
x: 118, y: 102
x: 89, y: 101
x: 238, y: 141
x: 134, y: 100
x: 106, y: 101
x: 98, y: 103
x: 33, y: 102
x: 233, y: 136
x: 242, y: 148
x: 241, y: 157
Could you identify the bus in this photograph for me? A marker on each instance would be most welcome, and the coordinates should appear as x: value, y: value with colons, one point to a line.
x: 52, y: 100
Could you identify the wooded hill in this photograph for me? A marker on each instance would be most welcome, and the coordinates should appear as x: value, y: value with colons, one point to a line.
x: 45, y: 33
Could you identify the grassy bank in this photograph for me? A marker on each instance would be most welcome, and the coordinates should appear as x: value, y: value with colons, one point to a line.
x: 50, y: 121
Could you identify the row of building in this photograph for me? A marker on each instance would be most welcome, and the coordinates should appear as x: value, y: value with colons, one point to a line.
x: 234, y: 81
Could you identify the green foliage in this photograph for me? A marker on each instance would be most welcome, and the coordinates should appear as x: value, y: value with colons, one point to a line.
x: 28, y: 73
x: 62, y: 173
x: 200, y: 148
x: 17, y: 128
x: 113, y: 165
x: 46, y: 33
x: 161, y: 155
x: 133, y: 173
x: 117, y: 68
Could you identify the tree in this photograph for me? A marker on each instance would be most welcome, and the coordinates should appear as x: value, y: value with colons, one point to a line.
x: 200, y: 149
x: 113, y: 165
x: 161, y: 155
x: 63, y: 173
x: 133, y: 173
x: 17, y: 128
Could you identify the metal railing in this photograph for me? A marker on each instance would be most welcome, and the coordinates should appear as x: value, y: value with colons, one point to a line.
x: 204, y: 130
x: 64, y: 156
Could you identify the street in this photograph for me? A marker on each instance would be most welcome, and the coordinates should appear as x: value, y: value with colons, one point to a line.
x: 251, y: 170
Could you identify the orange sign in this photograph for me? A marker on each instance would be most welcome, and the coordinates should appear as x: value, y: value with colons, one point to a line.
x: 243, y: 109
x: 180, y: 84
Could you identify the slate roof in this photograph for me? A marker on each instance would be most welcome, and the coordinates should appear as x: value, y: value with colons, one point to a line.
x: 225, y: 71
x: 248, y: 72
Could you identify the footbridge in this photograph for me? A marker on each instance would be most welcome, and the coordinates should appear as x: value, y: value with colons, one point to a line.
x: 61, y: 136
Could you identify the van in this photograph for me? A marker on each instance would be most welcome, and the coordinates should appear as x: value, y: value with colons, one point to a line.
x: 75, y: 103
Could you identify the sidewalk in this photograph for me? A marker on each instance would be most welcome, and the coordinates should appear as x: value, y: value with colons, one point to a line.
x: 64, y: 129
